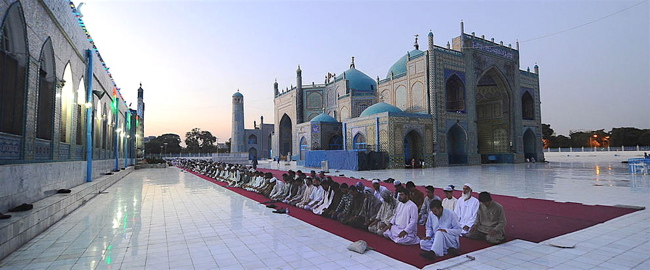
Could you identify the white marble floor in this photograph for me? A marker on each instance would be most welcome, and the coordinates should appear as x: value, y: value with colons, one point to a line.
x: 168, y: 219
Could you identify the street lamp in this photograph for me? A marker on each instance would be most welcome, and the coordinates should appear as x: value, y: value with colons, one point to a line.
x: 593, y: 140
x: 161, y: 150
x: 165, y: 148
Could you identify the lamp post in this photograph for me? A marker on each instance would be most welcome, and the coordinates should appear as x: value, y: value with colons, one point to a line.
x: 165, y: 148
x: 161, y: 151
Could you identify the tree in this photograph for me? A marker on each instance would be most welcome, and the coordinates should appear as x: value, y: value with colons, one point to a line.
x: 173, y: 144
x: 201, y: 141
x: 626, y: 136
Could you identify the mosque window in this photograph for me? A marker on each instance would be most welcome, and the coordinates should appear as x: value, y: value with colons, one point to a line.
x: 252, y: 139
x: 361, y: 108
x: 13, y: 60
x: 359, y: 141
x: 104, y: 128
x: 455, y: 94
x: 527, y: 107
x: 46, y: 92
x: 335, y: 143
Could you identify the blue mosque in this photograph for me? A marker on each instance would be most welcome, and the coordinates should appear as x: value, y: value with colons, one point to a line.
x: 464, y: 104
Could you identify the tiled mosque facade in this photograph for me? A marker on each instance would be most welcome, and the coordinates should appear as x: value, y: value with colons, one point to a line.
x: 466, y: 103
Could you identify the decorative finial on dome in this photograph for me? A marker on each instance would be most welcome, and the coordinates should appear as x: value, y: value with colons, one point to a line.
x: 352, y: 65
x: 417, y: 47
x: 140, y: 84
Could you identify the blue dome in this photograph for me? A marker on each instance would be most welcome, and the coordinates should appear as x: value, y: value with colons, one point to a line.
x: 323, y: 117
x: 400, y: 66
x: 380, y: 108
x: 358, y: 80
x: 237, y: 94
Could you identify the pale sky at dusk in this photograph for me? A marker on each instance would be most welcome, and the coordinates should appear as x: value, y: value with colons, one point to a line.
x: 191, y: 56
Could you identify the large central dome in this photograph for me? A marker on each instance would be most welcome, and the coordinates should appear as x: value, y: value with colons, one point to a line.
x: 358, y: 80
x: 399, y: 67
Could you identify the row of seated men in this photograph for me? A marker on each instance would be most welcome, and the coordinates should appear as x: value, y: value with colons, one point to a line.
x: 394, y: 215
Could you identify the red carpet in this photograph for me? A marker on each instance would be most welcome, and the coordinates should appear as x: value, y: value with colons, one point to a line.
x: 532, y: 220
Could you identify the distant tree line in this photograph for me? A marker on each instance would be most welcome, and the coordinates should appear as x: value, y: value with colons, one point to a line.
x: 617, y: 137
x: 196, y: 141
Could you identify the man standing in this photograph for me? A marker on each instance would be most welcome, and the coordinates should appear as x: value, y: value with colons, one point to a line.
x: 403, y: 227
x: 449, y: 202
x: 466, y: 209
x: 443, y: 231
x: 490, y: 221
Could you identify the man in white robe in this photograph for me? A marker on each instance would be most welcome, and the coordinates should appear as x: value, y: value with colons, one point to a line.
x: 316, y: 195
x: 385, y: 214
x: 466, y: 209
x: 403, y: 227
x: 449, y: 202
x: 443, y: 231
x: 378, y: 189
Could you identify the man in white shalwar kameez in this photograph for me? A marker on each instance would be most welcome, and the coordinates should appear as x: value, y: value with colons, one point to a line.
x: 443, y: 231
x: 466, y: 209
x: 403, y: 227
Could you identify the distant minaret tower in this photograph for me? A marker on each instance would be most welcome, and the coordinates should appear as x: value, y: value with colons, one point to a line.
x: 141, y: 102
x: 237, y: 136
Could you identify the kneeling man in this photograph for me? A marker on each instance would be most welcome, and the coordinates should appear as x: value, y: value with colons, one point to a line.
x: 443, y: 231
x: 490, y: 222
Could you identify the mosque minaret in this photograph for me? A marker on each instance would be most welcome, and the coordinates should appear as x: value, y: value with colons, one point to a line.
x: 237, y: 143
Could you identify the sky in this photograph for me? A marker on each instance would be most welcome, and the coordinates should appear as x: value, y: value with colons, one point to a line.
x: 191, y: 56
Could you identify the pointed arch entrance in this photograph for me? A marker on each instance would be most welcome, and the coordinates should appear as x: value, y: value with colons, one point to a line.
x: 456, y: 145
x: 494, y: 114
x: 530, y: 144
x: 252, y: 153
x: 303, y: 148
x: 412, y: 147
x: 286, y: 129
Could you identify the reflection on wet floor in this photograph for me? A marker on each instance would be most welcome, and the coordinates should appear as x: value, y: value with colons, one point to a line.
x: 170, y: 219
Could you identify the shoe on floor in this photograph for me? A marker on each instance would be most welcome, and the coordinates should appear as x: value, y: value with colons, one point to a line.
x: 22, y: 207
x: 280, y: 211
x: 271, y: 206
x: 63, y: 191
x: 3, y: 216
x: 429, y: 255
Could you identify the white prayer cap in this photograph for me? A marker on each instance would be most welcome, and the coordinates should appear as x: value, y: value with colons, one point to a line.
x: 273, y: 179
x: 448, y: 188
x: 397, y: 183
x: 375, y: 181
x: 468, y: 185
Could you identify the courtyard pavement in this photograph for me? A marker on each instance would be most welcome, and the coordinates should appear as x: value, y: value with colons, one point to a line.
x: 170, y: 219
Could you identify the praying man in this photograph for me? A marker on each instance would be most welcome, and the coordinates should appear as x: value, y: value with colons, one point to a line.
x: 490, y: 221
x: 466, y: 209
x: 443, y: 231
x: 403, y: 228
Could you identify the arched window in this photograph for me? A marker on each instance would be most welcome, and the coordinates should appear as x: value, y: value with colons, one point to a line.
x: 46, y: 91
x: 104, y: 127
x: 13, y: 62
x: 81, y: 109
x: 67, y: 101
x: 252, y: 139
x: 359, y: 141
x: 527, y: 107
x: 455, y: 94
x: 335, y: 143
